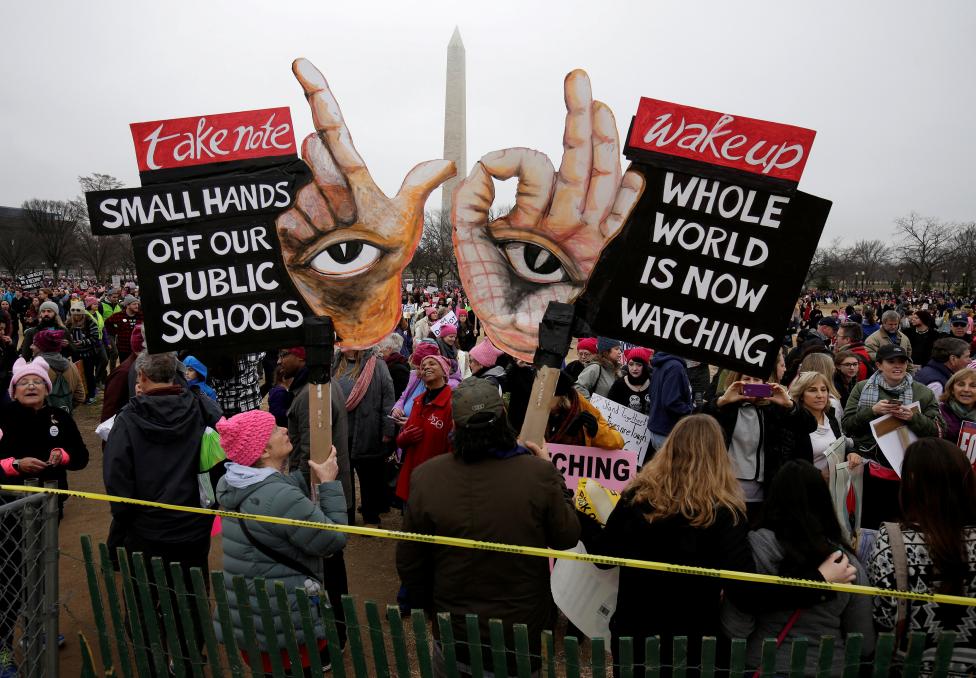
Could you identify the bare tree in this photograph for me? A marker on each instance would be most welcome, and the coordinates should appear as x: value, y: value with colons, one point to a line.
x: 54, y: 224
x: 924, y: 247
x: 100, y: 253
x: 435, y: 254
x: 17, y: 251
x: 963, y: 260
x: 868, y: 258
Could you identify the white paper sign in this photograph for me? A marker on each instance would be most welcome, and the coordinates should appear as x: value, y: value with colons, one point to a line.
x: 631, y: 424
x: 409, y: 309
x: 893, y: 443
x: 586, y: 594
x: 449, y: 319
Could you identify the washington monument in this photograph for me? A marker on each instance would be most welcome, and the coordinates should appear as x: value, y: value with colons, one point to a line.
x: 455, y: 143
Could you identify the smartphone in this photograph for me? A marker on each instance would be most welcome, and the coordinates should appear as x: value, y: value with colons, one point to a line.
x: 757, y: 390
x: 897, y: 403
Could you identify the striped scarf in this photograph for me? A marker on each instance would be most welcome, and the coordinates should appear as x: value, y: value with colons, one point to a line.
x: 361, y: 385
x: 871, y: 393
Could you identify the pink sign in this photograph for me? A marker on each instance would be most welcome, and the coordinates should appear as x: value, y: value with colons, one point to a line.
x: 611, y: 468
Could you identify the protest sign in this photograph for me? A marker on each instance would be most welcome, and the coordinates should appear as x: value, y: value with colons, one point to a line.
x: 409, y: 309
x: 967, y: 440
x: 894, y: 437
x: 709, y: 263
x: 611, y: 468
x: 205, y: 239
x: 631, y: 424
x: 116, y: 281
x: 31, y: 281
x: 448, y: 319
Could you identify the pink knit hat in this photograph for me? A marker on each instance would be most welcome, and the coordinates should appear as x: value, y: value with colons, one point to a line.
x: 486, y: 353
x: 37, y: 367
x: 442, y: 361
x: 244, y: 436
x: 421, y: 350
x: 448, y: 330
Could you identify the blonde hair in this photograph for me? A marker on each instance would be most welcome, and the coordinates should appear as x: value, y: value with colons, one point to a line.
x: 691, y: 475
x: 805, y: 380
x: 822, y: 363
x: 964, y: 373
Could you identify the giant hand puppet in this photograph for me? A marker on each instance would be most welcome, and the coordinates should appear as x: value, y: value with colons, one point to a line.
x: 345, y: 243
x: 546, y: 247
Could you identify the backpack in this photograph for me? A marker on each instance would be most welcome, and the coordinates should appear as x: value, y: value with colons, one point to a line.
x: 871, y: 369
x: 61, y: 393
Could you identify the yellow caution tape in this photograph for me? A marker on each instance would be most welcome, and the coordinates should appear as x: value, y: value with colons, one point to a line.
x: 520, y: 550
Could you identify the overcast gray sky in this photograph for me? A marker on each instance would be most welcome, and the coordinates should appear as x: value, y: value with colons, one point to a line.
x: 888, y: 86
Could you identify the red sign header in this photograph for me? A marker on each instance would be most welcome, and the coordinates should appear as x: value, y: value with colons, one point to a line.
x: 202, y: 139
x: 757, y: 146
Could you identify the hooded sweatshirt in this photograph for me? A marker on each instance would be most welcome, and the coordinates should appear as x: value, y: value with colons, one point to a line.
x: 153, y: 452
x: 670, y: 393
x: 201, y: 382
x: 838, y: 615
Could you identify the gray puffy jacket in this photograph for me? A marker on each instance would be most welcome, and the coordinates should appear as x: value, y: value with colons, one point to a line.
x: 247, y: 490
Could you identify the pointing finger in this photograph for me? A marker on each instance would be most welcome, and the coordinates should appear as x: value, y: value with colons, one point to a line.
x: 423, y: 179
x: 329, y: 180
x: 605, y: 179
x: 535, y: 182
x: 574, y: 170
x: 630, y: 192
x: 328, y: 121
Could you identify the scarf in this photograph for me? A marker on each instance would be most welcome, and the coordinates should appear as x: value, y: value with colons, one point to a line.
x: 875, y: 383
x: 960, y: 410
x: 361, y: 385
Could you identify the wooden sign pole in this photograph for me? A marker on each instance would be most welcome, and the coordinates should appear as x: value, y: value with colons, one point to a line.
x: 555, y: 335
x: 319, y: 343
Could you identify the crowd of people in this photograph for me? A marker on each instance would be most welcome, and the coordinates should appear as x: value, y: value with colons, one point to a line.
x: 426, y: 423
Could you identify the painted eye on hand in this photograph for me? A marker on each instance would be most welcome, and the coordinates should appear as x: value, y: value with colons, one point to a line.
x: 346, y: 259
x: 534, y: 262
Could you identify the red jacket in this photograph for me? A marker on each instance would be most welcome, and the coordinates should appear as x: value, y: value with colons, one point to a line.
x: 435, y: 418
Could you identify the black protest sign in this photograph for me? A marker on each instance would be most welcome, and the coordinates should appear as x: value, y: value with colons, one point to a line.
x: 139, y: 210
x: 206, y: 246
x: 221, y: 284
x: 710, y: 261
x: 31, y: 281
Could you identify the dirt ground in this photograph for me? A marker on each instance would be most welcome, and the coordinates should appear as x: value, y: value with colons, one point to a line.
x: 369, y: 561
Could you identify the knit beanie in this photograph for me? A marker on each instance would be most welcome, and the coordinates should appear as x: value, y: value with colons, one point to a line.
x: 50, y: 306
x: 90, y: 301
x: 448, y: 330
x: 421, y: 351
x: 49, y: 341
x: 586, y: 344
x: 486, y: 353
x: 244, y: 436
x: 604, y: 344
x: 129, y: 299
x: 297, y: 351
x: 431, y: 312
x: 639, y: 354
x: 37, y: 367
x: 77, y: 306
x: 442, y: 361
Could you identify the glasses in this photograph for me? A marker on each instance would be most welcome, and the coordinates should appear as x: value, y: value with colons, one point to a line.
x: 854, y: 364
x: 30, y: 382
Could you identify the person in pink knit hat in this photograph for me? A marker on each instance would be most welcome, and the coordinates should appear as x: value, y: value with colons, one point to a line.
x: 426, y: 431
x: 257, y: 450
x: 483, y: 361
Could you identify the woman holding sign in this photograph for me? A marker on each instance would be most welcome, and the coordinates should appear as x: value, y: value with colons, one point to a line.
x: 891, y: 391
x: 958, y: 402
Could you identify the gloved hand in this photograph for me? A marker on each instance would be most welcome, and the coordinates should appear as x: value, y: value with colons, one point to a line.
x: 585, y: 421
x: 411, y: 435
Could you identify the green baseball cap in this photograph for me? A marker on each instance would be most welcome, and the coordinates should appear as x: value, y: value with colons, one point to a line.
x: 476, y: 402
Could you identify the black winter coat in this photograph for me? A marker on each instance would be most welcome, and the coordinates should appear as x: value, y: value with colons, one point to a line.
x: 153, y: 453
x: 34, y: 433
